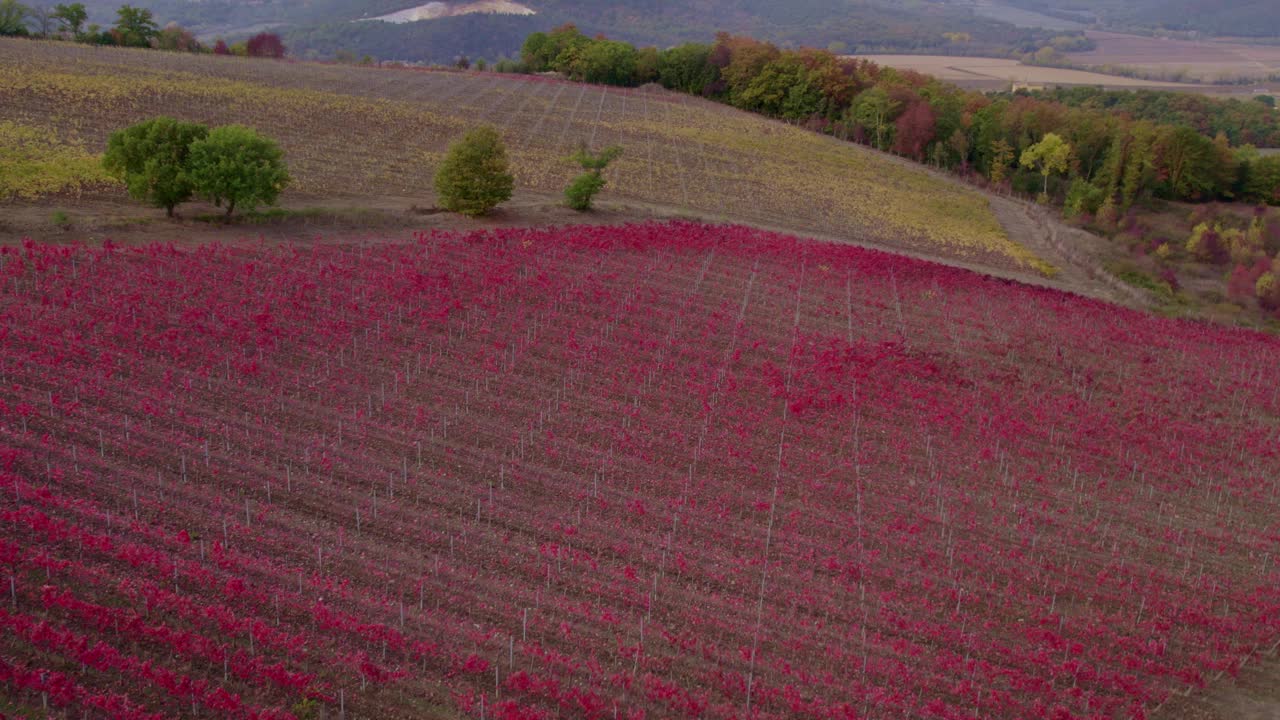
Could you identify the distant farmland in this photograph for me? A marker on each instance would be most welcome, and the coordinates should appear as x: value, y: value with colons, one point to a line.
x: 1000, y: 73
x: 1201, y: 60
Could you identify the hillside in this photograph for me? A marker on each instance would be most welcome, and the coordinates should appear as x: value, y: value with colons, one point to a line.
x: 378, y: 133
x: 665, y: 470
x: 323, y: 27
x: 1240, y: 18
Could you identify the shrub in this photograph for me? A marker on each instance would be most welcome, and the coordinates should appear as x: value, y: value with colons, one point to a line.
x: 584, y: 188
x: 1268, y: 291
x: 236, y: 165
x: 474, y: 178
x: 1206, y: 244
x: 152, y: 160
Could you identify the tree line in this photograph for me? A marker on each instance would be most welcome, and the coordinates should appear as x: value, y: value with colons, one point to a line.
x: 134, y: 27
x: 1107, y: 162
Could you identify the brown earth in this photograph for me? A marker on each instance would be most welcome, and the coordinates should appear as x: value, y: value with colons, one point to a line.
x: 1201, y: 59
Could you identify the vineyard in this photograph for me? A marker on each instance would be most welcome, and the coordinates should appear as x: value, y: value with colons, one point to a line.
x: 380, y: 132
x: 657, y: 471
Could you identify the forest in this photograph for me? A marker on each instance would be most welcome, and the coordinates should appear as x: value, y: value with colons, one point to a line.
x: 1116, y: 151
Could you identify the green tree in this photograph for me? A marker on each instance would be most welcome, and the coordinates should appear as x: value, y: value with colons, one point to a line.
x: 72, y: 17
x: 135, y: 27
x: 782, y: 89
x: 875, y: 111
x: 152, y: 158
x: 13, y: 17
x: 687, y: 68
x: 237, y: 166
x: 583, y: 189
x: 1187, y: 162
x: 1262, y: 182
x: 473, y: 179
x: 609, y: 62
x: 1051, y: 155
x: 556, y: 50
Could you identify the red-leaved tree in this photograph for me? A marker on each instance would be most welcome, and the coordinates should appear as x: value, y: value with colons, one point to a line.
x: 916, y: 128
x: 265, y: 45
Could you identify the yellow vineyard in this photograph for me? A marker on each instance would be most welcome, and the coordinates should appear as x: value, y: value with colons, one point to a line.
x: 36, y: 161
x: 351, y: 131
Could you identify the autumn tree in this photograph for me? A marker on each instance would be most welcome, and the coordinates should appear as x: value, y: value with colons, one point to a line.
x: 740, y: 60
x: 1001, y: 160
x: 1052, y: 155
x: 914, y: 130
x: 265, y: 45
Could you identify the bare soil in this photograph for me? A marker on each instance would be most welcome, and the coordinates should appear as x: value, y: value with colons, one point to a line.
x: 1254, y: 695
x: 1206, y: 60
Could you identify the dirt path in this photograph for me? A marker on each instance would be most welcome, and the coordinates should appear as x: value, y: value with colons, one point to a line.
x: 325, y: 219
x: 1073, y: 251
x: 1254, y: 695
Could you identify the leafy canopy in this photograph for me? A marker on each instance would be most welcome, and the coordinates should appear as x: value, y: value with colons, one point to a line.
x: 1051, y: 155
x: 152, y: 160
x: 136, y: 27
x: 237, y: 166
x: 474, y: 177
x: 13, y: 17
x: 72, y: 17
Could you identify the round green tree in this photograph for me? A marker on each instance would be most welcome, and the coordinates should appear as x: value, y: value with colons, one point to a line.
x: 237, y: 166
x: 152, y: 158
x: 473, y: 179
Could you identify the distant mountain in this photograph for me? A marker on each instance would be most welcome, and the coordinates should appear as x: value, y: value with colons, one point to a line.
x: 322, y: 28
x: 1241, y: 18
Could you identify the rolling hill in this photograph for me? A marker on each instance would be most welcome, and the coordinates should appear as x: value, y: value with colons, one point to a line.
x: 323, y: 27
x: 678, y: 151
x: 695, y: 468
x: 1239, y: 18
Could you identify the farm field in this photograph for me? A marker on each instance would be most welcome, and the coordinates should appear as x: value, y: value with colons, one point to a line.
x: 658, y: 471
x: 1205, y: 60
x: 376, y: 133
x: 998, y: 73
